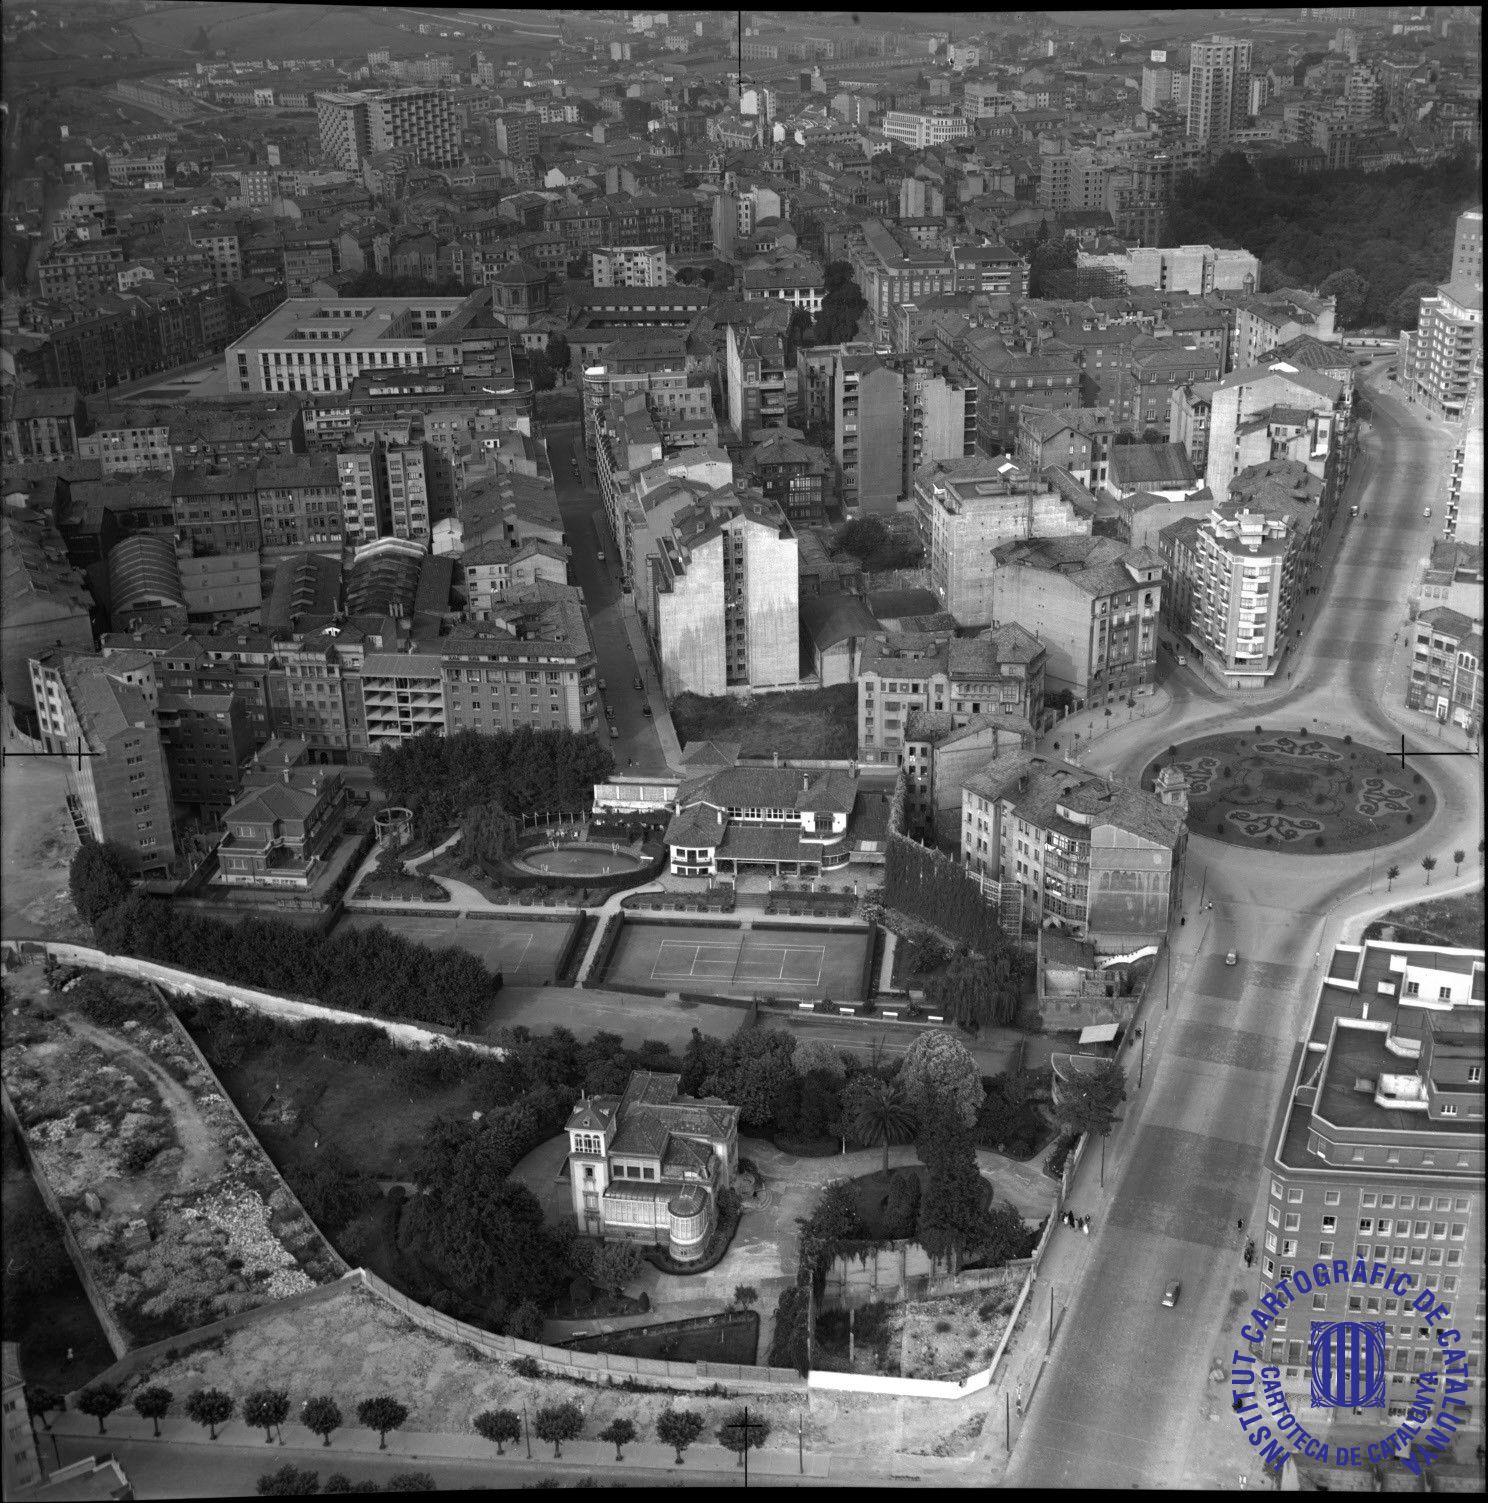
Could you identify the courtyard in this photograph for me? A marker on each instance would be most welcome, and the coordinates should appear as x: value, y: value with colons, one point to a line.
x: 1298, y: 791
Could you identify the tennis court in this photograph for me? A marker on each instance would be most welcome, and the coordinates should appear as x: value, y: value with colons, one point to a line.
x: 524, y: 952
x: 707, y: 958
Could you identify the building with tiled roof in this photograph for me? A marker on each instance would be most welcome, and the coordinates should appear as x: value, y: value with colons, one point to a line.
x: 776, y: 819
x: 1098, y: 858
x: 1447, y: 666
x: 1237, y: 439
x: 286, y: 820
x: 647, y: 1166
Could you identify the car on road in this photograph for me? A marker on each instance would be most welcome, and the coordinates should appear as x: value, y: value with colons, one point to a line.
x: 599, y: 554
x: 1232, y: 958
x: 1353, y: 511
x: 614, y: 731
x: 1170, y: 1295
x: 602, y: 686
x: 1182, y: 661
x: 1427, y: 512
x: 636, y: 683
x: 645, y: 709
x: 609, y: 712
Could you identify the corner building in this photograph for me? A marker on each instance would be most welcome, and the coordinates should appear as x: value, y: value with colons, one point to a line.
x: 1377, y: 1154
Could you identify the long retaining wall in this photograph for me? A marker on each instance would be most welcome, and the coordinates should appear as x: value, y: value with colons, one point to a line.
x: 292, y: 1009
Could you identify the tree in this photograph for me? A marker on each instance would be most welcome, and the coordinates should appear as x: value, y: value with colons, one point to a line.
x: 41, y: 1401
x: 841, y: 308
x: 412, y: 1482
x: 881, y: 1114
x: 745, y: 1295
x: 210, y: 1407
x: 540, y: 368
x: 939, y: 1068
x: 1406, y: 309
x: 740, y: 1433
x: 525, y: 1322
x: 558, y: 1423
x: 500, y: 1427
x: 1428, y: 865
x: 382, y: 1413
x: 619, y: 1432
x: 266, y: 1409
x: 1458, y: 857
x: 99, y: 1400
x: 321, y: 1416
x: 1351, y: 292
x: 612, y: 1265
x: 558, y: 352
x: 98, y: 879
x: 339, y: 1482
x: 974, y: 991
x: 678, y: 1428
x: 1391, y: 872
x: 1087, y: 1101
x: 153, y: 1404
x: 290, y: 1481
x: 952, y: 1212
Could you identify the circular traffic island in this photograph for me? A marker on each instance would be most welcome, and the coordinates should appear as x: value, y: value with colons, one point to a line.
x: 1297, y: 791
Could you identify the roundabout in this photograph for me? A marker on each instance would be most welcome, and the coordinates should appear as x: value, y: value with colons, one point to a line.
x: 1300, y: 792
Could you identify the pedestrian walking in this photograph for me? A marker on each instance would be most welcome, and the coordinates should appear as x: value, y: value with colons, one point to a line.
x: 1085, y: 1226
x: 1240, y: 1225
x: 69, y: 1357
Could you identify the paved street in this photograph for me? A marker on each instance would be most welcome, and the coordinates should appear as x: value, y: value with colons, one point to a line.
x: 1129, y: 1396
x: 583, y: 522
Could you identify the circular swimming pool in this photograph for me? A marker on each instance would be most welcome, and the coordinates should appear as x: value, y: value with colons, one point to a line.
x: 573, y: 860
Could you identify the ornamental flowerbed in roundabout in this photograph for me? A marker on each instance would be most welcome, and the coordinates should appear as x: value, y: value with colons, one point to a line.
x: 1297, y: 791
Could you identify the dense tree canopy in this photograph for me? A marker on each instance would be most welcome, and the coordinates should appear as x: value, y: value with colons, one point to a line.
x: 939, y: 1071
x: 1087, y: 1101
x: 1391, y: 228
x: 841, y: 308
x: 98, y: 879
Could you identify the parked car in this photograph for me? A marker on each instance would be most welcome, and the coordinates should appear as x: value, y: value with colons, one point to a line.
x: 636, y: 683
x: 601, y: 686
x: 1182, y: 661
x: 614, y: 731
x: 599, y: 554
x: 645, y: 709
x: 1427, y: 512
x: 1170, y: 1295
x: 609, y: 712
x: 1232, y: 958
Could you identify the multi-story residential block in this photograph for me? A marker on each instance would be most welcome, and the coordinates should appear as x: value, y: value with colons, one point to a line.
x: 119, y: 787
x: 1447, y: 666
x: 645, y: 1167
x: 1218, y: 89
x: 1444, y: 371
x: 44, y: 602
x: 286, y: 822
x: 131, y: 441
x: 868, y: 432
x: 1464, y: 489
x: 207, y: 740
x: 359, y: 124
x: 1263, y: 324
x: 1376, y: 1158
x: 1235, y: 577
x: 1077, y: 439
x: 1181, y: 268
x: 773, y: 820
x: 993, y: 269
x: 754, y: 380
x: 518, y: 133
x: 217, y: 511
x: 890, y: 268
x: 44, y: 425
x: 80, y: 269
x: 1094, y: 603
x: 919, y: 129
x: 235, y: 431
x: 796, y: 476
x: 802, y: 283
x: 940, y: 420
x: 649, y: 497
x: 1276, y: 410
x: 962, y: 680
x: 629, y: 266
x: 816, y: 367
x: 1007, y: 380
x: 300, y: 502
x: 531, y: 663
x: 1467, y: 249
x: 724, y: 596
x: 1189, y: 411
x: 965, y: 509
x: 1103, y: 859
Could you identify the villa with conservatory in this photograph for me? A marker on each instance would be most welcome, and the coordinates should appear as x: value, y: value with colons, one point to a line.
x: 776, y: 820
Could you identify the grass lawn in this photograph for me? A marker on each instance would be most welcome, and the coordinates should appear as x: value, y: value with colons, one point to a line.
x: 810, y: 723
x: 720, y: 1338
x: 1290, y: 790
x: 1450, y: 921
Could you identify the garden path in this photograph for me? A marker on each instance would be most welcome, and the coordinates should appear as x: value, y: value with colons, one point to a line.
x: 202, y: 1154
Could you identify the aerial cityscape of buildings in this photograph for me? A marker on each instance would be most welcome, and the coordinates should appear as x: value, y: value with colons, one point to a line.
x: 471, y: 479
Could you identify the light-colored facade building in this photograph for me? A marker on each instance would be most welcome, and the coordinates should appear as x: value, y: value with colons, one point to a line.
x: 1218, y: 89
x: 286, y: 821
x: 1179, y: 268
x: 966, y: 509
x: 647, y: 1166
x: 360, y: 124
x: 1275, y: 410
x: 754, y: 380
x: 868, y: 432
x: 724, y: 597
x: 1447, y: 666
x: 629, y: 266
x: 919, y: 129
x: 1445, y: 373
x: 1096, y: 858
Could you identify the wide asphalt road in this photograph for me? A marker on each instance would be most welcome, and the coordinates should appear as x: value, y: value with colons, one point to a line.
x: 582, y: 507
x: 1122, y: 1401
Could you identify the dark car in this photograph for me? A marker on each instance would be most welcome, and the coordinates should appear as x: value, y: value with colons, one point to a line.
x: 645, y: 709
x: 636, y: 683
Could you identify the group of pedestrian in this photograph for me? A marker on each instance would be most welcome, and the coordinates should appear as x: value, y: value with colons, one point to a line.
x: 1078, y: 1223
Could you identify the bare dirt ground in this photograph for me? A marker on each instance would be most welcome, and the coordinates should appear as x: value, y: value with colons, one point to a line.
x: 36, y: 844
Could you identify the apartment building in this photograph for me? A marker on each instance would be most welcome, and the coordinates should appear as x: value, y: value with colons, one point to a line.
x: 1181, y: 268
x: 754, y: 379
x: 1376, y: 1157
x: 80, y: 269
x: 891, y: 268
x: 1077, y: 439
x: 1096, y: 858
x: 1263, y: 324
x: 1444, y: 367
x: 1190, y: 408
x: 993, y: 269
x: 868, y: 432
x: 286, y: 822
x: 131, y: 441
x: 1093, y: 602
x: 1447, y: 666
x: 1464, y: 488
x: 43, y: 424
x: 629, y: 266
x: 1218, y: 89
x: 965, y: 509
x: 724, y: 597
x: 919, y: 129
x: 1467, y: 249
x: 358, y: 124
x: 119, y: 788
x: 801, y: 282
x: 1276, y: 410
x: 796, y: 476
x: 207, y: 740
x: 648, y: 497
x: 816, y: 374
x: 1008, y: 379
x: 1000, y: 673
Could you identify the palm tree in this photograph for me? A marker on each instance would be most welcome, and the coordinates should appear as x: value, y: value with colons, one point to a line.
x: 1458, y: 857
x: 882, y: 1115
x: 1428, y: 865
x: 1391, y: 872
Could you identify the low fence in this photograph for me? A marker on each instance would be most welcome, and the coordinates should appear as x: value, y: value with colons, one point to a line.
x: 408, y: 1035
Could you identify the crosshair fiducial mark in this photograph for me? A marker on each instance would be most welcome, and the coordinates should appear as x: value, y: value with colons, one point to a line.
x: 79, y: 753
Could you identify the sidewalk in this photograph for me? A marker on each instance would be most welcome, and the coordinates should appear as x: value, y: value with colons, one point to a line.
x: 778, y: 1458
x: 671, y: 748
